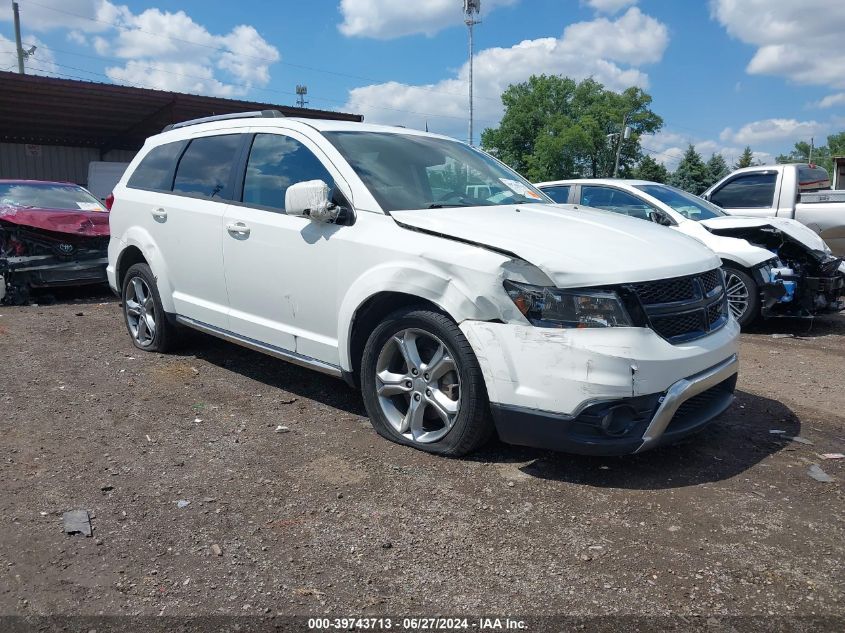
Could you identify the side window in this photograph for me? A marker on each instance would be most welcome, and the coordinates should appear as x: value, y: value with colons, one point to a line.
x: 205, y: 169
x: 749, y: 191
x: 155, y: 171
x: 558, y: 193
x: 275, y: 163
x: 610, y: 199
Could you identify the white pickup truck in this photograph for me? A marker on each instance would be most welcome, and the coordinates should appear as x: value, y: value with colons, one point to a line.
x: 798, y: 191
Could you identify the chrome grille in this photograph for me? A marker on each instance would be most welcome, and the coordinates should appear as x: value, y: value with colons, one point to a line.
x: 684, y: 308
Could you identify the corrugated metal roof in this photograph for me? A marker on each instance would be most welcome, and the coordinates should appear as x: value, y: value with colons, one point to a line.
x: 52, y: 111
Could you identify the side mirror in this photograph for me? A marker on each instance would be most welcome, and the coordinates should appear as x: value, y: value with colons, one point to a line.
x: 659, y: 218
x: 310, y: 199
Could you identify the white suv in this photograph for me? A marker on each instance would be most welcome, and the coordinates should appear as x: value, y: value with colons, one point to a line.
x: 428, y: 273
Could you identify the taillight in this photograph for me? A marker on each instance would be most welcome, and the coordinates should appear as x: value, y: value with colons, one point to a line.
x: 109, y: 201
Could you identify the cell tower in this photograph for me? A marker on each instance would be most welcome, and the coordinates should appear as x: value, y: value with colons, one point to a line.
x: 472, y: 9
x: 301, y: 91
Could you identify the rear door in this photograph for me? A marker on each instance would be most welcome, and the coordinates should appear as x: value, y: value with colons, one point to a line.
x: 752, y: 193
x: 183, y: 212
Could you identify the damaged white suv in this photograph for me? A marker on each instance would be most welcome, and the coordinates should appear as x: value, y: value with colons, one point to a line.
x: 426, y: 272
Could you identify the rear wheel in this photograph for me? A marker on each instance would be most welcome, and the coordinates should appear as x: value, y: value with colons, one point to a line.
x: 142, y: 310
x: 422, y: 385
x: 743, y: 295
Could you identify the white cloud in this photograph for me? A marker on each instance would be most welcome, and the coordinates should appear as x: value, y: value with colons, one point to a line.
x: 388, y: 19
x: 831, y: 101
x: 49, y: 15
x: 607, y: 50
x: 773, y: 130
x: 41, y: 62
x: 163, y: 50
x: 668, y: 148
x: 610, y: 6
x: 795, y: 40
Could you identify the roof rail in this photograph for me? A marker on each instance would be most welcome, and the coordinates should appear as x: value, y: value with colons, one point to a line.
x: 258, y: 114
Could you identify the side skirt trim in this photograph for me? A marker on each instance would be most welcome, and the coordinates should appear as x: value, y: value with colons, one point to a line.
x: 264, y: 348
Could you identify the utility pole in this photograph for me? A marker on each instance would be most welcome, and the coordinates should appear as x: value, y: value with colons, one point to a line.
x: 18, y: 44
x: 472, y: 8
x: 810, y: 159
x: 624, y: 135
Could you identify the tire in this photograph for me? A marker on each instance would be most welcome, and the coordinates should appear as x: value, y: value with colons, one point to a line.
x: 143, y: 312
x: 743, y: 295
x: 443, y: 408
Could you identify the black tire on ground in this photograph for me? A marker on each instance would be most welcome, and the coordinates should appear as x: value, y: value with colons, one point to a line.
x: 473, y: 426
x: 734, y: 279
x: 164, y: 338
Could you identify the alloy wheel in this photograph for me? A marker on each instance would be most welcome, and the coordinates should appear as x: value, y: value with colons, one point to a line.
x: 139, y: 305
x: 738, y: 295
x: 418, y: 385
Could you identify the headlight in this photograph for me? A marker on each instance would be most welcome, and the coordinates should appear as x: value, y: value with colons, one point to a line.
x: 552, y: 307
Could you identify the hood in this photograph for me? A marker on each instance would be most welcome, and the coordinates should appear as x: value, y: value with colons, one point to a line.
x: 573, y: 246
x: 792, y: 228
x: 736, y: 249
x: 81, y: 223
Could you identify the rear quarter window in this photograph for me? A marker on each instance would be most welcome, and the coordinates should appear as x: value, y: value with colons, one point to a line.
x: 155, y: 171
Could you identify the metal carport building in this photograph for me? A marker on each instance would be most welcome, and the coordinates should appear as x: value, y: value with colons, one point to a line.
x: 51, y: 129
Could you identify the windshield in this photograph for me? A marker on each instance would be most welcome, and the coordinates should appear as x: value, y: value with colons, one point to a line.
x: 48, y: 196
x: 688, y: 205
x: 409, y: 171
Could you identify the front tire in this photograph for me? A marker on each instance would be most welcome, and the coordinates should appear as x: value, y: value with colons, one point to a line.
x: 743, y: 295
x: 422, y: 385
x: 143, y: 313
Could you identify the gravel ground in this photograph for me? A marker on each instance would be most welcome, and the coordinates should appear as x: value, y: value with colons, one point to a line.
x: 325, y: 517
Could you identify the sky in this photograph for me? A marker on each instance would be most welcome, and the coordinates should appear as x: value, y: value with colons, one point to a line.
x: 723, y: 73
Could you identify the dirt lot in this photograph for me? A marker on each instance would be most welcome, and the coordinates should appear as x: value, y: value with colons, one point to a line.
x: 330, y: 519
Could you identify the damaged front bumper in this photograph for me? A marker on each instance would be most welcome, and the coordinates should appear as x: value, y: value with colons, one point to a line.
x: 799, y: 295
x: 611, y: 391
x: 19, y: 274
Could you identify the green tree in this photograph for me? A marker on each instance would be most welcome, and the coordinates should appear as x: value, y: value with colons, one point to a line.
x: 555, y: 127
x: 746, y: 159
x: 821, y: 156
x: 692, y: 174
x: 650, y: 169
x: 717, y: 168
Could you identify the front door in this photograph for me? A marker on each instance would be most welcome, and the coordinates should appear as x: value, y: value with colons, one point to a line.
x: 281, y: 270
x: 750, y: 194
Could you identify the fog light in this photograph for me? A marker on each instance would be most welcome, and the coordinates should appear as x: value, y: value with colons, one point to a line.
x: 618, y: 420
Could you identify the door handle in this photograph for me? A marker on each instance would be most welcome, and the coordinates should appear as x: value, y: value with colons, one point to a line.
x: 159, y: 215
x: 238, y: 229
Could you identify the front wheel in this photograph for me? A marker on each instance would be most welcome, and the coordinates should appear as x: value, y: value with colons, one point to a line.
x: 743, y: 295
x: 422, y: 385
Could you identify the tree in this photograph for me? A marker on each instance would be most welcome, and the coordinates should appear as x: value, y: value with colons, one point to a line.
x: 746, y: 159
x: 821, y: 155
x: 692, y: 174
x: 555, y: 128
x: 717, y: 168
x: 650, y: 169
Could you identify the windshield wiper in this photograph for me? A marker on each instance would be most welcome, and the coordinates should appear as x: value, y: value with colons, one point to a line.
x: 441, y: 205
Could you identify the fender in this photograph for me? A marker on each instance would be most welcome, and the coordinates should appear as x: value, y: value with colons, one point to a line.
x: 426, y: 280
x: 140, y: 238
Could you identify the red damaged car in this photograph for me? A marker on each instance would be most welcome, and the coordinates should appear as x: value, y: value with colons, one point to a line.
x: 51, y: 234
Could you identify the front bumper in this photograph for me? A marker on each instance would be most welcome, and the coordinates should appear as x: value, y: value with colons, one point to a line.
x: 606, y: 392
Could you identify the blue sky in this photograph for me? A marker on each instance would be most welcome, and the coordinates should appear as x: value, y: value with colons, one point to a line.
x: 723, y: 73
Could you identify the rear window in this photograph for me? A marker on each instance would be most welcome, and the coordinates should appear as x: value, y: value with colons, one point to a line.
x: 205, y: 170
x: 812, y: 178
x: 155, y: 170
